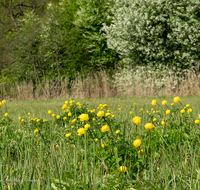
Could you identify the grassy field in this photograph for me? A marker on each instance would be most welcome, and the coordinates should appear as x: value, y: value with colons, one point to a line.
x: 54, y: 155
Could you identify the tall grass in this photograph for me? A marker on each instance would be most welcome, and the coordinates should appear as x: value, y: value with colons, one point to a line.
x: 126, y: 82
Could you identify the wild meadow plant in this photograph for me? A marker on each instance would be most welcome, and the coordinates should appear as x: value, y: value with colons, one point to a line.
x: 84, y: 148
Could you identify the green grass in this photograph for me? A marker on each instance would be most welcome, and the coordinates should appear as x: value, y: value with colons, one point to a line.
x: 171, y: 157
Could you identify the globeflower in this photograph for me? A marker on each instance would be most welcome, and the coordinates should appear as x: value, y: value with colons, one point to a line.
x: 6, y: 114
x: 196, y: 121
x: 87, y: 126
x: 123, y: 168
x: 154, y: 119
x: 3, y: 102
x: 118, y: 131
x: 58, y: 117
x: 137, y: 143
x: 69, y: 114
x: 108, y: 114
x: 100, y: 114
x: 176, y: 99
x: 64, y: 118
x: 140, y: 151
x: 189, y: 110
x: 68, y: 135
x: 53, y: 115
x: 104, y: 128
x: 136, y: 120
x: 167, y: 112
x: 153, y: 102
x: 164, y: 102
x: 187, y: 105
x: 149, y: 126
x: 36, y: 131
x: 163, y: 122
x: 182, y: 111
x: 103, y: 146
x: 81, y: 131
x: 84, y: 117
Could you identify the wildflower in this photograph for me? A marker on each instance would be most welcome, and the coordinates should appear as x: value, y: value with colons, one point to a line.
x: 108, y: 114
x: 58, y: 117
x: 96, y: 140
x: 19, y: 118
x: 0, y: 104
x: 68, y: 135
x: 134, y: 104
x: 163, y: 122
x: 154, y: 112
x: 56, y: 146
x: 147, y: 111
x: 69, y: 114
x: 37, y: 120
x: 167, y: 112
x: 119, y: 109
x: 172, y: 104
x: 72, y: 126
x: 64, y: 106
x: 84, y: 117
x: 113, y: 116
x: 131, y: 112
x: 136, y: 120
x: 158, y: 168
x: 108, y: 111
x: 141, y: 109
x: 196, y: 121
x: 137, y: 143
x: 93, y: 119
x: 123, y: 168
x: 87, y: 126
x: 182, y: 111
x: 103, y: 146
x: 64, y: 118
x: 6, y: 114
x: 66, y: 102
x: 81, y: 131
x: 154, y: 119
x: 187, y: 105
x: 157, y: 111
x: 3, y: 102
x: 189, y: 110
x: 153, y: 102
x: 53, y: 115
x: 29, y: 113
x: 49, y: 112
x: 104, y: 128
x: 149, y: 126
x: 36, y: 131
x: 118, y: 131
x: 164, y: 102
x: 100, y: 114
x: 176, y: 99
x: 140, y: 151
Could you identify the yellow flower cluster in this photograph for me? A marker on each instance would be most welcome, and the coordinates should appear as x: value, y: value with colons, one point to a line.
x: 136, y: 120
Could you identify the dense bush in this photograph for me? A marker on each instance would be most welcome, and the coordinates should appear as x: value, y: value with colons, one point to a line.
x: 155, y: 32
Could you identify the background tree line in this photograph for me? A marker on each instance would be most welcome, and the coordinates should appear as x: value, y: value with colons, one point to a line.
x: 43, y: 39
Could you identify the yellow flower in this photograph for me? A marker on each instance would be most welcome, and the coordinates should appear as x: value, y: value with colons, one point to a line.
x: 64, y: 118
x: 36, y: 131
x: 141, y: 109
x: 108, y: 114
x: 29, y: 113
x: 6, y: 114
x: 154, y: 112
x: 187, y: 105
x: 0, y: 104
x: 68, y: 135
x: 64, y: 106
x: 151, y: 109
x: 93, y: 119
x: 118, y: 131
x: 147, y: 111
x: 163, y: 122
x: 104, y: 128
x: 69, y: 114
x: 136, y: 120
x: 157, y: 111
x: 113, y: 116
x: 58, y: 117
x: 103, y: 146
x: 19, y: 118
x: 100, y: 114
x: 72, y: 126
x: 119, y: 109
x: 153, y: 102
x: 182, y: 111
x: 140, y: 151
x: 3, y: 102
x: 189, y: 110
x: 81, y: 131
x: 196, y: 121
x: 154, y: 119
x: 37, y: 120
x: 56, y: 146
x: 149, y: 126
x: 87, y: 126
x: 134, y: 104
x: 176, y: 99
x: 172, y: 104
x: 49, y: 112
x: 84, y: 117
x: 53, y: 115
x: 131, y: 112
x: 137, y: 143
x: 164, y: 102
x: 123, y: 168
x: 167, y: 112
x: 158, y: 168
x: 96, y: 140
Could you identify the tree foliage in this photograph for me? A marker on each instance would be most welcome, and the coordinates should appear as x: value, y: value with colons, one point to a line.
x: 151, y: 32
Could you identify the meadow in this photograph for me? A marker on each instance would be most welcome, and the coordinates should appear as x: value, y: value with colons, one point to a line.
x: 101, y: 144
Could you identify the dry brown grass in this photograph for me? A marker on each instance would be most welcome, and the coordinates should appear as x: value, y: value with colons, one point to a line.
x: 98, y: 85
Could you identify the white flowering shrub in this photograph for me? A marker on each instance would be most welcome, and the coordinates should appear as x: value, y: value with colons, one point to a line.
x: 153, y: 32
